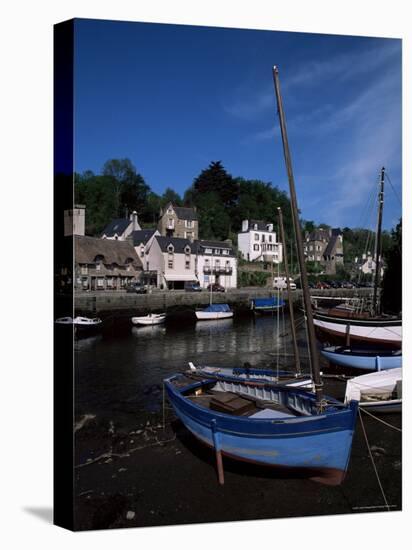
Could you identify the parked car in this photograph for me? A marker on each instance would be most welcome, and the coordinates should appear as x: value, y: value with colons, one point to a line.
x: 138, y: 288
x: 322, y: 285
x: 347, y: 284
x: 192, y: 286
x: 216, y: 287
x: 280, y: 283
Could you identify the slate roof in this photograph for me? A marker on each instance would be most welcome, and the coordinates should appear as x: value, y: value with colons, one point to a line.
x: 87, y: 248
x: 182, y: 212
x: 142, y: 236
x: 202, y: 245
x: 116, y: 226
x: 178, y: 244
x: 261, y: 226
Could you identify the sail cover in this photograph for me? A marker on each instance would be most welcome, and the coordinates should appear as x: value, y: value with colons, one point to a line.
x: 268, y: 302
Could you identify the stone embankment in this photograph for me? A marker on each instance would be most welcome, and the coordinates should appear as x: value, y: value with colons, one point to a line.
x: 106, y: 302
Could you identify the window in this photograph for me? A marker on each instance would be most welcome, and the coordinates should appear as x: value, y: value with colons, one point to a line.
x: 100, y: 282
x: 170, y: 248
x: 170, y: 263
x: 311, y: 247
x: 187, y: 263
x: 83, y: 270
x: 208, y: 251
x: 270, y: 238
x: 255, y: 227
x: 217, y: 251
x: 225, y: 251
x: 263, y: 238
x: 256, y: 236
x: 255, y: 247
x: 189, y: 224
x: 142, y: 251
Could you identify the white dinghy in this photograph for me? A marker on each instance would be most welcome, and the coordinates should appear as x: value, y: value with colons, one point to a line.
x: 150, y: 319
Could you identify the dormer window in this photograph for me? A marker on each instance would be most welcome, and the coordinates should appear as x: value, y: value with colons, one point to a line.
x: 170, y: 211
x: 170, y: 248
x: 255, y: 226
x: 187, y: 250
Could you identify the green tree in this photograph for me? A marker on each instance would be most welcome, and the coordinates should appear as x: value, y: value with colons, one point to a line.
x: 130, y: 189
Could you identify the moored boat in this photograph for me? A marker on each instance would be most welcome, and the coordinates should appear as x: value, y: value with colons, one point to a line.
x: 363, y: 358
x: 250, y: 373
x: 379, y: 331
x: 214, y: 311
x: 150, y: 319
x: 377, y: 391
x: 267, y: 424
x: 267, y: 305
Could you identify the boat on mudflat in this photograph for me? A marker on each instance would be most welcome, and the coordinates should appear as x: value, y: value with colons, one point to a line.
x: 382, y: 331
x: 363, y: 358
x: 267, y: 424
x: 267, y: 305
x: 214, y: 311
x: 250, y: 373
x: 150, y: 319
x: 379, y: 392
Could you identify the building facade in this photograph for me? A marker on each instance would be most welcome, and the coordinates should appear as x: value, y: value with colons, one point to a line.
x: 173, y: 260
x: 216, y: 262
x: 257, y: 242
x: 178, y: 221
x: 104, y: 264
x: 325, y: 247
x: 142, y: 241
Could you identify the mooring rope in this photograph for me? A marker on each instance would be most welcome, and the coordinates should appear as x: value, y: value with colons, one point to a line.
x: 373, y: 462
x: 380, y: 420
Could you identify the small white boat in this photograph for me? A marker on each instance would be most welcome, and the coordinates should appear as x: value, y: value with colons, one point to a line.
x: 64, y: 321
x: 87, y: 322
x: 378, y: 391
x: 150, y: 319
x: 214, y: 312
x: 79, y: 321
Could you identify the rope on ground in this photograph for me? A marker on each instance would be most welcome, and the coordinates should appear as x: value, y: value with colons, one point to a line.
x: 123, y: 455
x: 373, y: 462
x: 380, y: 420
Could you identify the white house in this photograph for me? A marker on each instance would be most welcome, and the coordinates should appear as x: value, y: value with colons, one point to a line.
x: 142, y: 241
x: 121, y: 228
x: 173, y: 259
x: 257, y: 242
x: 367, y: 264
x: 216, y: 262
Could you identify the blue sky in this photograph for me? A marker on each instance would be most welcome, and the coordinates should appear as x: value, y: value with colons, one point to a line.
x: 174, y: 98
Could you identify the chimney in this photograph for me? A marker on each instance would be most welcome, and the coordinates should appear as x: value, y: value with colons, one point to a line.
x: 136, y: 225
x: 245, y: 225
x: 269, y: 226
x: 75, y: 220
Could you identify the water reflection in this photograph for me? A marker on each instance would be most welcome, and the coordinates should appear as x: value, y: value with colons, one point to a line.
x: 115, y: 373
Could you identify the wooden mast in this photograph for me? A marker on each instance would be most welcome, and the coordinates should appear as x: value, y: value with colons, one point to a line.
x: 299, y: 245
x: 291, y: 314
x: 378, y: 244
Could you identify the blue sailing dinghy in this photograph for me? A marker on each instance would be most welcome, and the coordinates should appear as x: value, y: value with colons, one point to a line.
x: 267, y: 305
x: 266, y: 424
x: 364, y: 359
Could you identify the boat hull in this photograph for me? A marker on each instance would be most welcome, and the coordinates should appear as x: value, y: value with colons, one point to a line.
x: 363, y: 362
x: 319, y: 444
x: 213, y: 315
x: 377, y: 392
x: 389, y: 334
x: 148, y: 321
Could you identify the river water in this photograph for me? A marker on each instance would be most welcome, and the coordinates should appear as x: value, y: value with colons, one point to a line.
x: 120, y: 376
